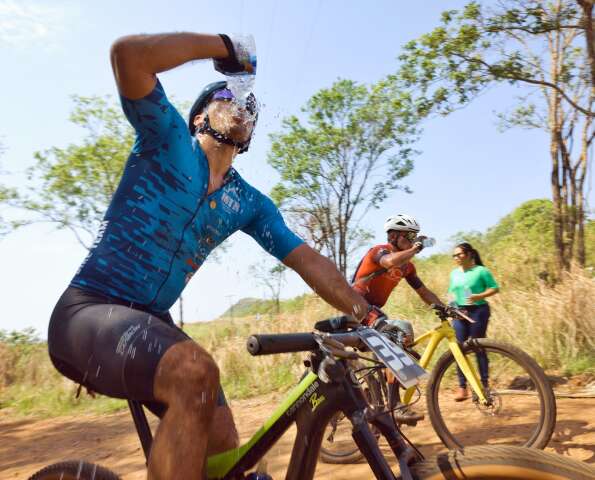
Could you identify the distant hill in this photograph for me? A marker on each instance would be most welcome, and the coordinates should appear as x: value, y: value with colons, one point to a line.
x: 250, y: 306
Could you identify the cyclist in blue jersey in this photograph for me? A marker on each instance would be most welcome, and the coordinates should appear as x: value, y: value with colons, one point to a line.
x: 178, y: 198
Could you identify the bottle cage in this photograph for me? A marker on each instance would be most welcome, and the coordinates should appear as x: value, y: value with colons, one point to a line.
x: 220, y: 137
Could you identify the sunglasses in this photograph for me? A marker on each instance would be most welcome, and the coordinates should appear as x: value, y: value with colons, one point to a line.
x: 227, y: 96
x: 411, y: 236
x: 458, y: 255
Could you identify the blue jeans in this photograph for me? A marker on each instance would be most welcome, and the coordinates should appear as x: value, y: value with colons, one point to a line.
x: 465, y: 330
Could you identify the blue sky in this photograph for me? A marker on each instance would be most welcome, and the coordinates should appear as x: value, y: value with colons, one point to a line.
x: 467, y: 177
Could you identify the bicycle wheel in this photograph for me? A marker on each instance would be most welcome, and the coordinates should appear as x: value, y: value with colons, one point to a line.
x: 338, y: 445
x: 501, y: 462
x: 74, y: 470
x: 521, y: 409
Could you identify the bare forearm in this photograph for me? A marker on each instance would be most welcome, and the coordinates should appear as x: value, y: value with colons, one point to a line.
x: 488, y: 292
x: 137, y: 58
x: 164, y: 51
x: 323, y: 277
x: 428, y: 296
x: 396, y: 259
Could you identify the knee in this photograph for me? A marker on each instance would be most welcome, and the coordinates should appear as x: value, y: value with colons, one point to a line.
x: 189, y: 373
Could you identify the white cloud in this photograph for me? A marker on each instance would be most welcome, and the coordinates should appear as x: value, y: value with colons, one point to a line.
x: 25, y: 23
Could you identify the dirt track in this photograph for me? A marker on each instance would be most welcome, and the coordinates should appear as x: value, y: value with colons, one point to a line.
x: 27, y: 445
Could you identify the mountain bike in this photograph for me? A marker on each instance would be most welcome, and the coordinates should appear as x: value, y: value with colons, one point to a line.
x: 332, y: 385
x: 517, y: 406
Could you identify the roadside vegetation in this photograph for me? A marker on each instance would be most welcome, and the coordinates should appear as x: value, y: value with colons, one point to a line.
x: 548, y: 315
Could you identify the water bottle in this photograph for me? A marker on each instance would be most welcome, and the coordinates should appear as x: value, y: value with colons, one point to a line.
x: 467, y: 293
x: 241, y: 84
x: 428, y: 242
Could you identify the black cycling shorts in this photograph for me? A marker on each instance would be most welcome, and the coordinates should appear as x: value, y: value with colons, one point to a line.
x: 110, y: 346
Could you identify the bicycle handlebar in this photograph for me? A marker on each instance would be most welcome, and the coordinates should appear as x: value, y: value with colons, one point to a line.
x: 444, y: 311
x: 269, y: 344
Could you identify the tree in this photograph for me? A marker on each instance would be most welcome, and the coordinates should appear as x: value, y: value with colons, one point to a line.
x: 272, y: 278
x: 528, y: 43
x: 71, y: 187
x: 352, y: 150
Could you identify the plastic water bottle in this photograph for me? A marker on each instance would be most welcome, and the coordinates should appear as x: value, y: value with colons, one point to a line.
x: 428, y: 242
x: 467, y: 293
x: 241, y: 84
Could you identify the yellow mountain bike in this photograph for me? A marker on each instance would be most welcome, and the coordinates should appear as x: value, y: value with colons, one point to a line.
x: 515, y: 406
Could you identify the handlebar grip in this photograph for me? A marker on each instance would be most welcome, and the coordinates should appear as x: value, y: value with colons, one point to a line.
x: 331, y: 325
x: 269, y: 344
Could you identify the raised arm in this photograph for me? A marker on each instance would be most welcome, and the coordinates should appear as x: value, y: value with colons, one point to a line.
x: 324, y: 278
x: 396, y: 259
x: 136, y: 59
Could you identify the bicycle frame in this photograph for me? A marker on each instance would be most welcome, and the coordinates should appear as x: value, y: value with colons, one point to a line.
x: 311, y: 405
x: 433, y: 338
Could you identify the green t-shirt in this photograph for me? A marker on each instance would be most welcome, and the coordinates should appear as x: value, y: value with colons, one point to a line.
x: 475, y: 280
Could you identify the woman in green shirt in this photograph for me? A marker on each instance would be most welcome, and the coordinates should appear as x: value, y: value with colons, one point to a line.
x: 470, y: 284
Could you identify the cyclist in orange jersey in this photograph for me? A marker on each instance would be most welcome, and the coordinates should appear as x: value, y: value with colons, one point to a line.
x: 384, y: 266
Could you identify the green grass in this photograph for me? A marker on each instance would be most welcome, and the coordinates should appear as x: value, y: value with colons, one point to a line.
x: 580, y: 365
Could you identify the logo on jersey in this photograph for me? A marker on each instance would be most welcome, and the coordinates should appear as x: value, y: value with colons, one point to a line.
x: 230, y: 204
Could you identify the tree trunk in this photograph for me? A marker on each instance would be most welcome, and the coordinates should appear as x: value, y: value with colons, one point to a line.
x: 557, y: 200
x: 587, y: 20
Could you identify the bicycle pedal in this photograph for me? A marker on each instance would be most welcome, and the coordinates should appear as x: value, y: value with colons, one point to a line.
x: 410, y: 421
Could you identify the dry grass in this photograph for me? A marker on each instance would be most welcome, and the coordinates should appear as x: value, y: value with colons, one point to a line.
x: 556, y: 325
x: 244, y: 375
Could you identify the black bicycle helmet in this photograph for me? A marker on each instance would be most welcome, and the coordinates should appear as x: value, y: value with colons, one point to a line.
x: 201, y: 102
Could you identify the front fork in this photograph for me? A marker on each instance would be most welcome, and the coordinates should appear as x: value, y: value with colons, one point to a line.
x: 468, y: 370
x: 360, y: 416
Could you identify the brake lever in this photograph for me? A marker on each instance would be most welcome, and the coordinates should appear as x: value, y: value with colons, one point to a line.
x: 462, y: 315
x: 336, y: 348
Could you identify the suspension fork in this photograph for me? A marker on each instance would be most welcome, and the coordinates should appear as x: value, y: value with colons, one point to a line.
x: 468, y: 369
x: 358, y: 412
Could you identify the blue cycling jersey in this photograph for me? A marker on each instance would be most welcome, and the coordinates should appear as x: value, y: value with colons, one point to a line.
x: 161, y: 225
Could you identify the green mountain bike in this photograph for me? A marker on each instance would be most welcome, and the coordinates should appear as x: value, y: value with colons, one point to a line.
x: 331, y: 385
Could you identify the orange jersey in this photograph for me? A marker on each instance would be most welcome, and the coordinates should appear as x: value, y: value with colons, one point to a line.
x: 377, y: 289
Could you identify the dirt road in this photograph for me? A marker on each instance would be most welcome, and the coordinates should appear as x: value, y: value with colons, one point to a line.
x: 27, y: 445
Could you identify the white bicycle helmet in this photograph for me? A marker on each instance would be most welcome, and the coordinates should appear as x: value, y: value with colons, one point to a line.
x: 401, y: 223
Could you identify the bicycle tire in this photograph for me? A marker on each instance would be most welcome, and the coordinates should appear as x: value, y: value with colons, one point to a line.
x: 74, y: 470
x: 501, y: 462
x: 547, y: 420
x: 351, y: 453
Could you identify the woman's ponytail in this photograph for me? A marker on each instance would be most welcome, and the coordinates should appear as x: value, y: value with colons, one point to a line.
x: 467, y: 248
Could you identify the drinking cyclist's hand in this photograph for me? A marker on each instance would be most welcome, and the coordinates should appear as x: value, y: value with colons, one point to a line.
x: 241, y: 58
x: 419, y: 242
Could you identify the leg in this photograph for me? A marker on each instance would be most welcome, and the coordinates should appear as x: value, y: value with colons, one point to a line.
x: 187, y: 381
x: 481, y: 315
x: 127, y: 353
x: 223, y: 434
x: 462, y: 332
